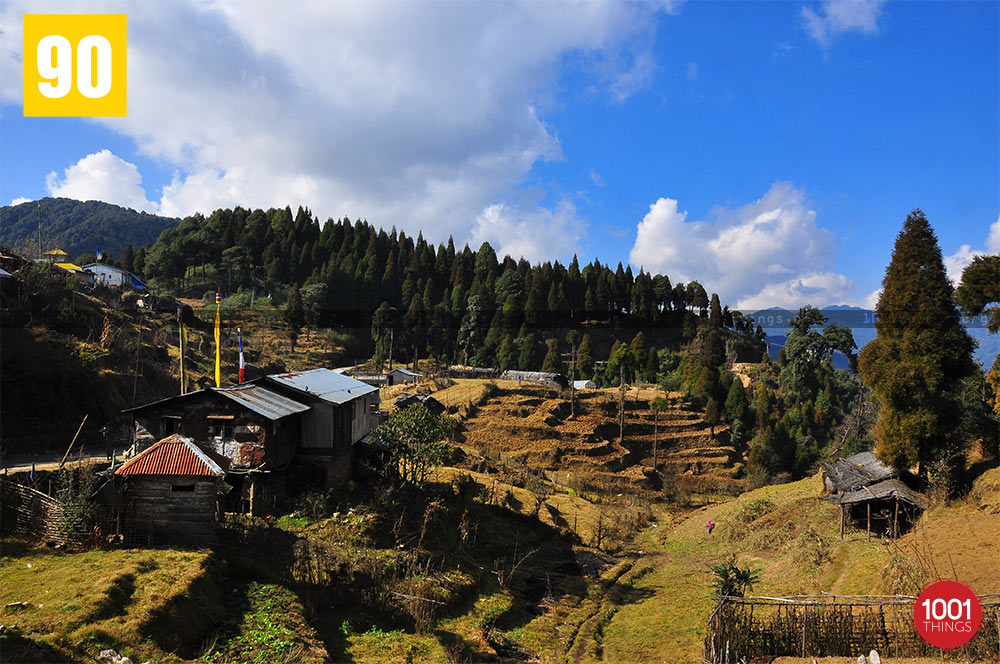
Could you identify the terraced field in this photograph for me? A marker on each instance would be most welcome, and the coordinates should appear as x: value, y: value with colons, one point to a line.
x: 536, y: 426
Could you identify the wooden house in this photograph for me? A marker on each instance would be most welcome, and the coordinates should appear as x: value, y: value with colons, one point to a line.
x: 172, y: 489
x: 256, y: 429
x: 873, y: 494
x: 342, y: 411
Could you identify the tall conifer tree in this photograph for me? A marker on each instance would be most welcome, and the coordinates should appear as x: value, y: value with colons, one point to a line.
x: 922, y: 353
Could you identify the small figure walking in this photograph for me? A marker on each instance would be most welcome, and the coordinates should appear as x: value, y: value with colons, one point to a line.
x: 709, y: 526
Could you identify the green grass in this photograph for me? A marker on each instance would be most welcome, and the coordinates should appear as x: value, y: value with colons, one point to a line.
x: 80, y: 603
x: 271, y: 629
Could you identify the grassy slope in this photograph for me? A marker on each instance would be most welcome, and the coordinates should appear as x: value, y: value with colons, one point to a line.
x: 81, y: 603
x: 798, y: 549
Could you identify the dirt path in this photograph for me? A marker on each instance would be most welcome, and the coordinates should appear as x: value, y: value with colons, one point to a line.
x: 603, y: 611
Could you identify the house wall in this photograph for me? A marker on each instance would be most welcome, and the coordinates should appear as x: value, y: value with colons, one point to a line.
x: 175, y: 516
x: 254, y: 437
x: 109, y: 276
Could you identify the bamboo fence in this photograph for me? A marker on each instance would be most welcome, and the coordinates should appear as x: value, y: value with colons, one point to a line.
x: 741, y: 628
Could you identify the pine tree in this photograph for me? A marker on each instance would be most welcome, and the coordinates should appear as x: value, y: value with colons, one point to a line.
x: 652, y: 366
x: 552, y: 363
x: 916, y: 364
x: 639, y: 348
x: 507, y: 355
x: 585, y: 358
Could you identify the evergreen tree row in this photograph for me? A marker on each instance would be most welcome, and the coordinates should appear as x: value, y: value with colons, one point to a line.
x: 471, y: 306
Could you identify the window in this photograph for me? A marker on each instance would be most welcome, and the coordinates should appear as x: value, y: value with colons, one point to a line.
x: 182, y: 488
x: 170, y: 424
x: 221, y: 426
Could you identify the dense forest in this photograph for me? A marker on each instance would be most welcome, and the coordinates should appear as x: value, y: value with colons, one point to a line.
x: 467, y: 306
x: 80, y: 228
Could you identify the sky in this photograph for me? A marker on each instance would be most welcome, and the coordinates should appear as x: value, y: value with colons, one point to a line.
x: 770, y: 150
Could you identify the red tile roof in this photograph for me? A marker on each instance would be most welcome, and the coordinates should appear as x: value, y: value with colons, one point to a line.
x: 176, y: 455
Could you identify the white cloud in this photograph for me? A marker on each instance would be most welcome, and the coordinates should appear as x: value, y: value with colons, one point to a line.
x: 692, y: 71
x: 597, y: 178
x: 993, y: 241
x: 19, y: 200
x: 102, y: 176
x: 538, y: 234
x: 838, y: 16
x: 419, y: 115
x: 956, y: 262
x: 768, y: 253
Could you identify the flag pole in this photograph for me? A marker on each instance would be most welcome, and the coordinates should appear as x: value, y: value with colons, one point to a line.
x: 180, y: 342
x: 239, y: 333
x: 218, y: 338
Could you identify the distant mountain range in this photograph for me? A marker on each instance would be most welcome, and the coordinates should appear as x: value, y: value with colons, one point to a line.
x: 79, y: 227
x: 775, y: 321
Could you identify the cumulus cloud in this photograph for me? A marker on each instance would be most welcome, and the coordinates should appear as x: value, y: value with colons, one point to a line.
x: 993, y: 241
x: 102, y: 176
x: 537, y: 234
x: 19, y: 200
x: 956, y: 262
x: 838, y: 16
x: 768, y: 253
x: 419, y: 115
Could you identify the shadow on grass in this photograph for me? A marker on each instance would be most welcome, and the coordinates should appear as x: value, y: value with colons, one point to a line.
x: 18, y: 648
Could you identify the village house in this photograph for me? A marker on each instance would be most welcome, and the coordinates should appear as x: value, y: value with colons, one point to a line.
x: 172, y: 489
x: 280, y: 433
x: 114, y: 277
x: 889, y: 500
x: 342, y: 411
x: 401, y: 375
x: 256, y: 429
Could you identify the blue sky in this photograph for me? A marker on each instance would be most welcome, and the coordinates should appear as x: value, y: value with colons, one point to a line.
x: 770, y: 150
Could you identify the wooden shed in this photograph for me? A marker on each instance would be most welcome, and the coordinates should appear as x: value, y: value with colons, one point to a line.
x: 341, y: 411
x: 889, y: 501
x: 172, y: 488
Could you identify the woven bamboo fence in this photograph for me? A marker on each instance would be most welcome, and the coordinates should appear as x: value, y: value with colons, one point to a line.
x: 741, y: 628
x: 28, y: 513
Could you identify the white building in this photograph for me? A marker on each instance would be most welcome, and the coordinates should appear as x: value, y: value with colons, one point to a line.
x: 109, y: 275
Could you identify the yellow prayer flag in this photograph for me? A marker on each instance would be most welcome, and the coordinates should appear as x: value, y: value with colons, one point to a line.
x: 218, y: 335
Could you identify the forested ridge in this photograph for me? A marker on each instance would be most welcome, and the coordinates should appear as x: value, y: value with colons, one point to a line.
x: 80, y: 228
x: 439, y: 301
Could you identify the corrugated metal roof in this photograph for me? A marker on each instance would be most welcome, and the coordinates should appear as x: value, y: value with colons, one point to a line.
x: 176, y: 455
x: 880, y: 491
x: 857, y: 471
x: 252, y: 396
x: 262, y: 401
x: 324, y: 384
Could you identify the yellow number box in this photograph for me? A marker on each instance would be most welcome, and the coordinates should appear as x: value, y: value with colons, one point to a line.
x: 74, y: 65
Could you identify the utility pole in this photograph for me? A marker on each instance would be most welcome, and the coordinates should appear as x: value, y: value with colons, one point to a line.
x: 180, y: 343
x: 390, y: 348
x: 39, y: 229
x: 621, y: 402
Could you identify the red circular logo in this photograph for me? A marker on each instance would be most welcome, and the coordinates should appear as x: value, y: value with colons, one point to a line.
x: 947, y: 614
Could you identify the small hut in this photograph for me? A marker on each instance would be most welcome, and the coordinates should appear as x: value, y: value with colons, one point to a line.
x: 890, y: 499
x: 584, y: 385
x: 400, y: 375
x: 172, y: 488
